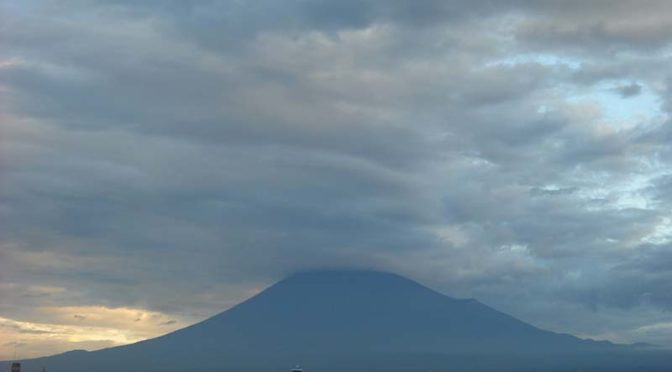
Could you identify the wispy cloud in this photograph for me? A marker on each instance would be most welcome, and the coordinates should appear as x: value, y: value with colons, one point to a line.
x: 92, y: 327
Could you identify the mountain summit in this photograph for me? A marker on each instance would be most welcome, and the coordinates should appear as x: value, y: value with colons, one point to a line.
x: 332, y: 319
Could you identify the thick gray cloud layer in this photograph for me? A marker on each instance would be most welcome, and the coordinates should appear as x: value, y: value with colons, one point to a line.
x: 176, y: 155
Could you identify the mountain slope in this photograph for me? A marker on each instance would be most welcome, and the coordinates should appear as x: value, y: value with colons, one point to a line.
x: 326, y: 318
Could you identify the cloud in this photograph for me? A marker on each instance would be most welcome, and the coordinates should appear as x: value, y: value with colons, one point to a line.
x: 595, y: 27
x: 176, y: 159
x: 93, y: 327
x: 630, y: 90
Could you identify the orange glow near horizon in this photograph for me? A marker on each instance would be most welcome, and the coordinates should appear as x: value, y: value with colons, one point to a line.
x: 81, y: 327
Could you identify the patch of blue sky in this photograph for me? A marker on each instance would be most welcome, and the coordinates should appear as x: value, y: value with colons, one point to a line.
x: 546, y: 59
x: 619, y: 111
x: 644, y: 107
x: 662, y: 232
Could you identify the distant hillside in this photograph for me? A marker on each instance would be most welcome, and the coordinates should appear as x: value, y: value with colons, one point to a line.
x: 356, y: 320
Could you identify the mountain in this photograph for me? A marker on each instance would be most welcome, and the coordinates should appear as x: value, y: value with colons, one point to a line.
x: 355, y: 320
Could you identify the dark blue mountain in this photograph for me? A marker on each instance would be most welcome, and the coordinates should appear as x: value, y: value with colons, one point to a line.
x: 359, y: 320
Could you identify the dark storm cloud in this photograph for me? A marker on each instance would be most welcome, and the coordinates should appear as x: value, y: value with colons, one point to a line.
x: 175, y: 155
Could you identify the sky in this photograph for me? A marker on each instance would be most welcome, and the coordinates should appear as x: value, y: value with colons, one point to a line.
x: 161, y: 161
